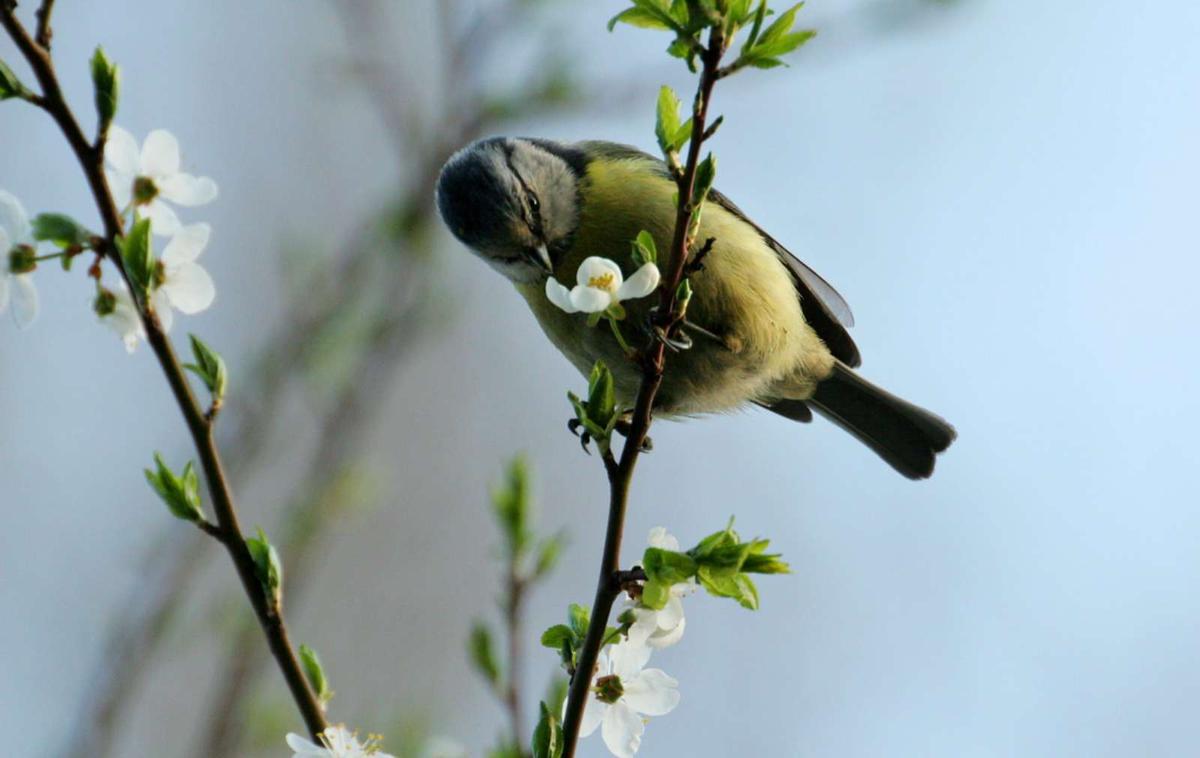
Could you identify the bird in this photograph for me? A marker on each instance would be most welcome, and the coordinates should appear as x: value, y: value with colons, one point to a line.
x: 766, y: 329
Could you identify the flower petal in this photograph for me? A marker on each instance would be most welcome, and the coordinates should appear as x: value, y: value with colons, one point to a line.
x: 559, y: 295
x: 4, y: 288
x: 659, y: 537
x: 189, y: 288
x: 188, y: 190
x: 590, y: 299
x: 651, y: 692
x: 642, y: 283
x: 671, y: 614
x: 187, y: 244
x: 667, y: 637
x: 24, y: 300
x: 595, y: 267
x: 160, y: 154
x: 14, y: 221
x: 163, y: 220
x: 121, y: 152
x: 160, y: 301
x: 593, y: 714
x: 628, y: 658
x: 622, y: 730
x: 302, y: 748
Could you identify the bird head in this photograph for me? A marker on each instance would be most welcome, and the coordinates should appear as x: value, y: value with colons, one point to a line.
x: 514, y: 202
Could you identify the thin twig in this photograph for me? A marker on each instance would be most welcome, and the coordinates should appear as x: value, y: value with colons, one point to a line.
x: 228, y: 530
x: 608, y: 587
x: 44, y: 32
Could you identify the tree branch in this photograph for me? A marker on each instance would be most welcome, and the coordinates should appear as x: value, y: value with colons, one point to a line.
x: 608, y: 587
x: 227, y: 530
x: 44, y: 32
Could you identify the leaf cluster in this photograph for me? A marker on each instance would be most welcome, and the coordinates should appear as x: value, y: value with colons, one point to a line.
x: 180, y: 492
x: 598, y: 415
x: 721, y: 563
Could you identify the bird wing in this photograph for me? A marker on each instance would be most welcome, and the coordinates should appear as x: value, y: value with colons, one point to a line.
x: 824, y: 309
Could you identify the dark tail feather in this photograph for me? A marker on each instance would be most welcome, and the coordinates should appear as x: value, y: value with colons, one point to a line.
x: 905, y: 436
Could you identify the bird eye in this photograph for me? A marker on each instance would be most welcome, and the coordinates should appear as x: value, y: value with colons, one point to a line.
x: 534, y: 203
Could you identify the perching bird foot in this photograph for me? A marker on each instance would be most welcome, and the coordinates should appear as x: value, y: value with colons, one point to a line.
x: 625, y: 426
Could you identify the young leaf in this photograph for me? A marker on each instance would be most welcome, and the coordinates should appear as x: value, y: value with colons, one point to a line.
x: 555, y: 636
x: 781, y: 26
x: 640, y: 18
x: 666, y: 125
x: 547, y: 737
x: 106, y: 81
x: 578, y: 618
x: 10, y: 85
x: 644, y: 249
x: 315, y: 673
x: 138, y: 255
x: 209, y: 367
x: 668, y: 567
x: 482, y: 654
x: 181, y: 495
x: 267, y: 564
x: 706, y: 174
x: 511, y: 503
x: 59, y: 229
x: 601, y: 404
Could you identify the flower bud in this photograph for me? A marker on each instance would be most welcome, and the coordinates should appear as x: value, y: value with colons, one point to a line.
x: 22, y: 259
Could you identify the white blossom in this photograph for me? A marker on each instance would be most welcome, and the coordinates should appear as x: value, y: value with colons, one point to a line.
x: 125, y: 320
x: 623, y: 692
x: 16, y: 289
x: 600, y: 285
x: 336, y: 742
x: 664, y: 627
x: 183, y: 284
x: 150, y: 176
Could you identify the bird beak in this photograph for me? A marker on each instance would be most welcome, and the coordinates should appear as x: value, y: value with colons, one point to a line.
x: 540, y: 256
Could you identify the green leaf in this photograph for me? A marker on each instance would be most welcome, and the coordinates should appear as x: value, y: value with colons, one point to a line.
x: 547, y: 736
x: 644, y: 249
x: 181, y: 494
x: 59, y: 229
x: 547, y: 555
x: 655, y: 594
x: 138, y: 254
x: 10, y: 85
x: 210, y: 367
x: 267, y: 564
x: 601, y: 404
x: 706, y: 174
x: 578, y: 618
x: 555, y: 636
x: 760, y: 14
x: 781, y: 26
x: 511, y: 503
x: 482, y: 654
x: 315, y: 673
x: 106, y: 81
x: 639, y: 17
x: 666, y: 125
x: 736, y: 586
x: 667, y: 566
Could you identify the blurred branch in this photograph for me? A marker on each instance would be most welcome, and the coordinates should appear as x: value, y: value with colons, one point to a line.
x: 227, y: 530
x: 287, y: 355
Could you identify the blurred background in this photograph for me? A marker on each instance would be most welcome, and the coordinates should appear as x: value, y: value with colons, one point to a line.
x: 1004, y: 191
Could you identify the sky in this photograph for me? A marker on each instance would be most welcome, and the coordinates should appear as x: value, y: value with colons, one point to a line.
x: 1002, y: 191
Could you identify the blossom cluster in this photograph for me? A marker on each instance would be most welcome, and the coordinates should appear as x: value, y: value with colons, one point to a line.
x: 624, y: 691
x: 146, y: 181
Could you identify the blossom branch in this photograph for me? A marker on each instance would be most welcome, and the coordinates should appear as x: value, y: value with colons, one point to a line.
x: 227, y: 529
x: 653, y: 360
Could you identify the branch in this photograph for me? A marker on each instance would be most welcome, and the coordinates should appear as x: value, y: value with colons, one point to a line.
x: 44, y: 32
x: 227, y: 530
x: 608, y: 587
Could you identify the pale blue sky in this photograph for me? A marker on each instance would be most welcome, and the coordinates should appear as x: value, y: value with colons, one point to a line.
x: 1005, y: 194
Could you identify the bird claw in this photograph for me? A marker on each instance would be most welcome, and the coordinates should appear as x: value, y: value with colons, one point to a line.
x: 680, y: 340
x: 585, y: 439
x: 625, y: 426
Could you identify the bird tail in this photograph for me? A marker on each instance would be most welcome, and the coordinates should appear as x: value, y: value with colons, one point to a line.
x: 905, y: 436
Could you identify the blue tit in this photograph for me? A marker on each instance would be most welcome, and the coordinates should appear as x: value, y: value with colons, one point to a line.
x: 766, y: 329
